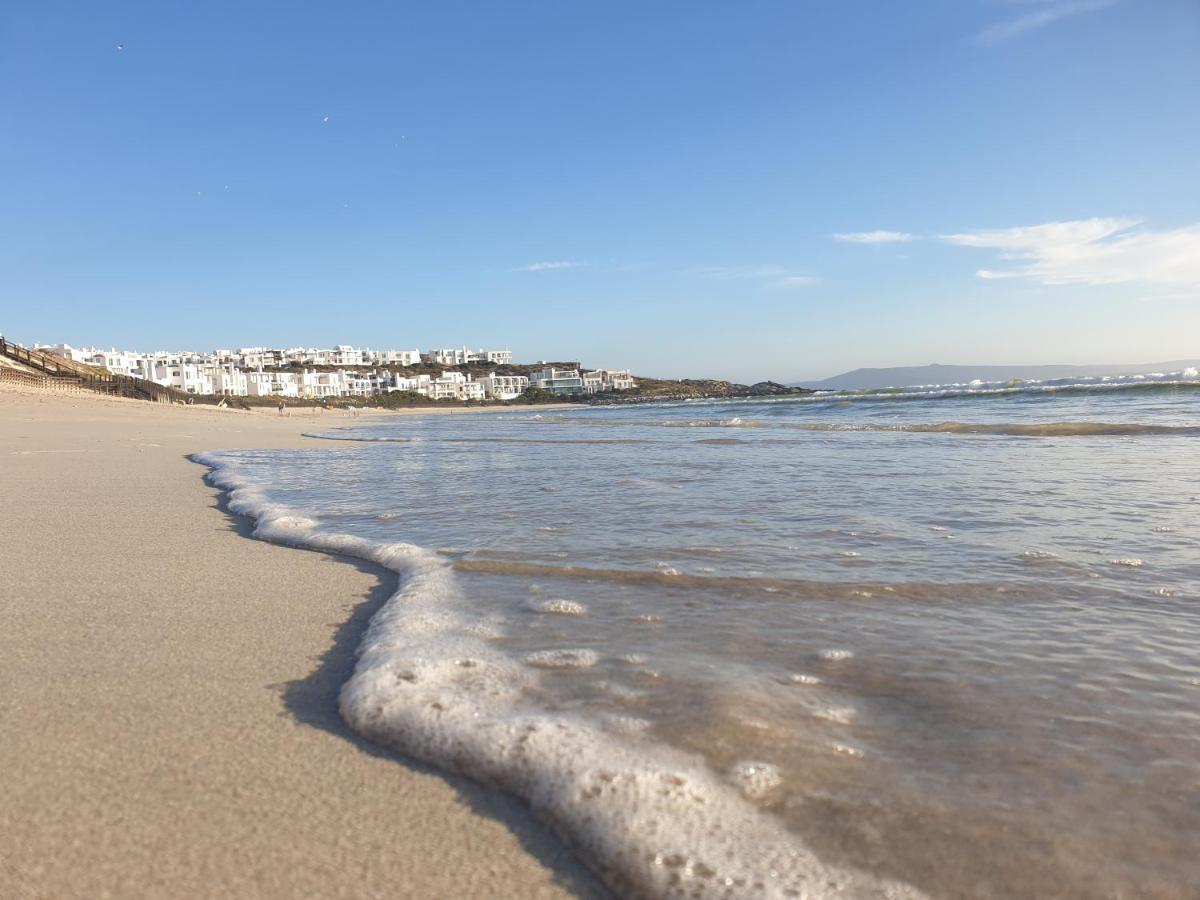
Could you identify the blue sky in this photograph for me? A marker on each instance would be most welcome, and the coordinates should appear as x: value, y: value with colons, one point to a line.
x: 751, y: 190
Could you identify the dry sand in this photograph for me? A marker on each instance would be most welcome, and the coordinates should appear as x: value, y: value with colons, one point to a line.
x: 168, y: 688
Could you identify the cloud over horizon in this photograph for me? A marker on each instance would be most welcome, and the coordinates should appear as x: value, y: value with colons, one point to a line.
x: 1095, y: 251
x: 771, y: 276
x: 1047, y: 12
x: 548, y: 266
x: 878, y: 236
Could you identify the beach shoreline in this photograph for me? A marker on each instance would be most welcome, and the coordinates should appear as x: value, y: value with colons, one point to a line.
x: 172, y: 687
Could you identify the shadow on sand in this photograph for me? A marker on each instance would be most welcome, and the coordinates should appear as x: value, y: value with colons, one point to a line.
x: 313, y: 701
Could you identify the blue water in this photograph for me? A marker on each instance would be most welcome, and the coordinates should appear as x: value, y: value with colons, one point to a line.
x: 942, y: 642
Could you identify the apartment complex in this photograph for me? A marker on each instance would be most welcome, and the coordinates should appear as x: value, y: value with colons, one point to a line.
x: 350, y: 372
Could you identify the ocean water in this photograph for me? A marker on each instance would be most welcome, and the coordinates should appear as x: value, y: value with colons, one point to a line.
x: 937, y: 642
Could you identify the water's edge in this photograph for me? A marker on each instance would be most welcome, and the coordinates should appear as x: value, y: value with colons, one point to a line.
x: 650, y: 822
x: 534, y: 835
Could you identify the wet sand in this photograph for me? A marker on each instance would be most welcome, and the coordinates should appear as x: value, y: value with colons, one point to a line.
x: 168, y: 688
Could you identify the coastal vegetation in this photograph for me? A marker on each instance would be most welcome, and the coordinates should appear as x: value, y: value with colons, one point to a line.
x: 651, y: 390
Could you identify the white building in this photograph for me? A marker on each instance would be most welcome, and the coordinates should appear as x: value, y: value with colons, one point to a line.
x: 321, y: 385
x: 267, y: 384
x: 418, y: 384
x: 447, y: 357
x: 345, y: 355
x: 557, y: 381
x: 607, y: 380
x: 504, y: 387
x: 618, y: 379
x: 119, y: 362
x: 454, y: 386
x: 395, y: 357
x: 259, y: 372
x: 460, y: 356
x: 66, y: 351
x: 258, y: 357
x: 299, y: 356
x: 230, y: 381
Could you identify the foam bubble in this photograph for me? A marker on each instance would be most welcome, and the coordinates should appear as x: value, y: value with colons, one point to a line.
x: 847, y: 750
x: 562, y: 659
x: 627, y: 725
x: 755, y: 779
x: 621, y: 693
x: 842, y: 715
x: 836, y: 654
x: 1129, y: 562
x: 1037, y: 555
x: 560, y: 607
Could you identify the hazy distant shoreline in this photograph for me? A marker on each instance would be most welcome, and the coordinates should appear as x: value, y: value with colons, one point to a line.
x: 906, y: 376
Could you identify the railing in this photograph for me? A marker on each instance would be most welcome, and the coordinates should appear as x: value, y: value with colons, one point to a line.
x: 56, y: 372
x: 40, y: 381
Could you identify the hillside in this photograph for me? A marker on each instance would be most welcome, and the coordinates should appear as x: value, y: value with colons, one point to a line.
x: 903, y: 376
x: 655, y: 389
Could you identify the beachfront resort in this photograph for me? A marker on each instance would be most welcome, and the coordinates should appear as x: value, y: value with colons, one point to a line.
x: 346, y: 372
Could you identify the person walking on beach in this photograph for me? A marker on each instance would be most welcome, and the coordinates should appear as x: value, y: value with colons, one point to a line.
x: 281, y: 407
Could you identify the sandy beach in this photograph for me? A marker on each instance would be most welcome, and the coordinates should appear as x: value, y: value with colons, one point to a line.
x: 169, y: 688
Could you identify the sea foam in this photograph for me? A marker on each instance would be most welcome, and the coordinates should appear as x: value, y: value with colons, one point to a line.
x: 651, y: 820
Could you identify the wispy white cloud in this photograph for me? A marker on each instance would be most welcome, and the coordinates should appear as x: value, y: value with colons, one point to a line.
x: 1091, y: 252
x: 874, y: 237
x: 771, y: 276
x: 1047, y: 12
x: 731, y: 272
x: 796, y: 281
x: 548, y: 266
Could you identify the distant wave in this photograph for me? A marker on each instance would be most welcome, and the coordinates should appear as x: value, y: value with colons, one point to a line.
x: 1033, y: 429
x: 1188, y: 379
x: 1012, y: 429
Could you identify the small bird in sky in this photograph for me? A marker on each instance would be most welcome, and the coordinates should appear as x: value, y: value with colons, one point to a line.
x: 326, y: 119
x: 120, y: 47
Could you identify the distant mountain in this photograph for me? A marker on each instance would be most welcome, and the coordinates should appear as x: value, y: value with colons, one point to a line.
x: 904, y: 376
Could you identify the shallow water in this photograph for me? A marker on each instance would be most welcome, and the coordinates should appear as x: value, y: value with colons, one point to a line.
x: 944, y: 643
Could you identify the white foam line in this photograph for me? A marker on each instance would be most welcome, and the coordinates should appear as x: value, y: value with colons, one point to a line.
x: 652, y: 821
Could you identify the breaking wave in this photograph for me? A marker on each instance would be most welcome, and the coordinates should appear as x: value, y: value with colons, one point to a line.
x: 1188, y: 379
x: 1031, y: 429
x: 431, y: 683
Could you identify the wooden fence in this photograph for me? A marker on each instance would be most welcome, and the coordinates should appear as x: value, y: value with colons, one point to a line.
x: 58, y: 374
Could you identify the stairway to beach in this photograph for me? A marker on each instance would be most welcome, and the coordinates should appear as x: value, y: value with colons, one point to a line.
x: 35, y: 369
